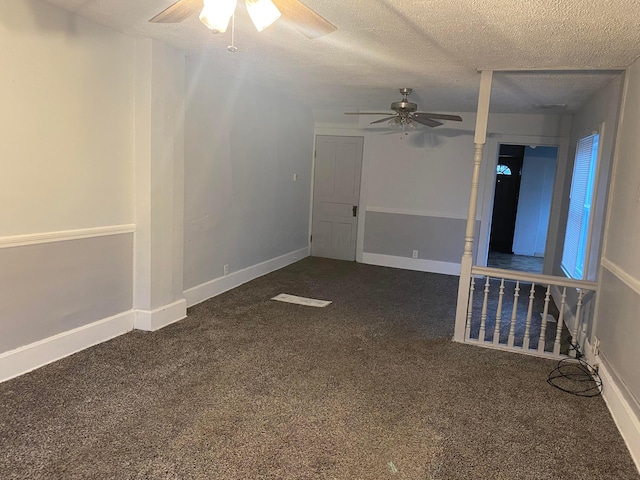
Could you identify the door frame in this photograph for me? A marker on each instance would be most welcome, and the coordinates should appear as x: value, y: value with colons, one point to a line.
x: 364, y: 175
x: 488, y: 181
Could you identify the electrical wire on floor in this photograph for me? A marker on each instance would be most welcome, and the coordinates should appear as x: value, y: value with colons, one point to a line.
x: 576, y: 376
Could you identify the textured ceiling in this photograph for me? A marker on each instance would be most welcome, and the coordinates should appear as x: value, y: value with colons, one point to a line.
x: 436, y: 47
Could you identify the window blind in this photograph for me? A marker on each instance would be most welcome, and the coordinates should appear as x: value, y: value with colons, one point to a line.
x: 577, y: 232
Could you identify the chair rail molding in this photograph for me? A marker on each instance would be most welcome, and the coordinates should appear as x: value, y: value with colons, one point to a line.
x: 11, y: 241
x: 626, y: 278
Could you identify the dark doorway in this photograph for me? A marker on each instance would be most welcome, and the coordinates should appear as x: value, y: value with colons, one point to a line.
x: 505, y: 203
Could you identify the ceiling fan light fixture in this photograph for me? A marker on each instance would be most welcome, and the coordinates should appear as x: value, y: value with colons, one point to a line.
x: 217, y: 13
x: 262, y: 12
x: 402, y: 123
x: 395, y: 123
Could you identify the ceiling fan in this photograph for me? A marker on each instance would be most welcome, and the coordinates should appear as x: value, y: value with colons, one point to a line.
x: 407, y: 115
x: 216, y: 14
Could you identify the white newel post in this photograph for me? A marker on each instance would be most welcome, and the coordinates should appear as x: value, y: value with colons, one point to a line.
x: 467, y: 259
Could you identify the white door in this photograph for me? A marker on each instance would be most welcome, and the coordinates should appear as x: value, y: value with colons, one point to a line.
x: 336, y: 192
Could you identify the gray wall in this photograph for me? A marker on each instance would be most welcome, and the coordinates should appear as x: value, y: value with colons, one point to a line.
x: 604, y: 106
x: 435, y: 238
x: 618, y: 313
x: 243, y: 143
x: 425, y: 177
x: 619, y: 333
x: 50, y: 288
x: 67, y: 160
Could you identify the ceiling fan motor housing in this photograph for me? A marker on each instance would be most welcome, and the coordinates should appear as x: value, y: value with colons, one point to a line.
x: 404, y: 107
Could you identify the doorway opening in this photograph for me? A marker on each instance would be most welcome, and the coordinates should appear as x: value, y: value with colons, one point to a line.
x: 521, y: 207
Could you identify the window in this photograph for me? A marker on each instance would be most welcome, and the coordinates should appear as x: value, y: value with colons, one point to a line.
x: 576, y: 237
x: 503, y: 169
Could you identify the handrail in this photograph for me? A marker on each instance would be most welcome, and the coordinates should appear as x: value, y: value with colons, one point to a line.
x: 536, y: 278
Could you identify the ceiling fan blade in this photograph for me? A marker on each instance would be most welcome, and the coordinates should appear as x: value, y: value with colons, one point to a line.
x: 179, y: 11
x: 386, y: 119
x: 367, y: 113
x: 438, y: 116
x: 309, y: 22
x: 426, y: 121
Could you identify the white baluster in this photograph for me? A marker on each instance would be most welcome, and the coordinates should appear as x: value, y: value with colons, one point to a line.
x: 514, y: 314
x: 576, y: 326
x: 496, y: 331
x: 543, y: 326
x: 483, y: 317
x: 527, y: 325
x: 467, y: 333
x: 556, y: 345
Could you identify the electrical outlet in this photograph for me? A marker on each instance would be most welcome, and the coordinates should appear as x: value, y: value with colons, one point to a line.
x: 295, y: 177
x: 414, y: 254
x: 225, y: 269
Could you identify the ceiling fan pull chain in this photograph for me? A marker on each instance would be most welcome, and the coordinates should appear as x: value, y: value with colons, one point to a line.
x: 232, y: 48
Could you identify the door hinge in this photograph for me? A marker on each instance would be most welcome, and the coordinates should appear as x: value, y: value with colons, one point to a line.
x: 310, y: 238
x: 355, y: 210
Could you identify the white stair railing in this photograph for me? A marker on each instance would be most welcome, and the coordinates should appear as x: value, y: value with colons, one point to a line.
x: 525, y: 332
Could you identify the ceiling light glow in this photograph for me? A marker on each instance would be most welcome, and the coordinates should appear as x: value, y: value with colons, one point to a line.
x: 217, y: 13
x: 262, y: 12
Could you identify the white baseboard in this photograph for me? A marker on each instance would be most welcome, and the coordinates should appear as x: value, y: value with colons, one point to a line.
x: 220, y: 285
x: 623, y: 414
x: 419, y: 264
x: 152, y: 320
x: 35, y: 355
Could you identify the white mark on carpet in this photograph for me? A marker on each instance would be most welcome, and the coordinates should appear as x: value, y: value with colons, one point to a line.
x: 309, y: 302
x: 393, y: 468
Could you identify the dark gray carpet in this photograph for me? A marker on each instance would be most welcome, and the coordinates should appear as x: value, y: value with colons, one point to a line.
x: 247, y: 388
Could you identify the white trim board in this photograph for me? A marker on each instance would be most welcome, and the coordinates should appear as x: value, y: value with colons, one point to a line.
x: 215, y: 287
x: 152, y: 320
x: 626, y: 278
x: 35, y: 355
x: 433, y: 266
x: 64, y: 235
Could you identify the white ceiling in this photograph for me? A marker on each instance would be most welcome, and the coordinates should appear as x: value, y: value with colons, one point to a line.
x: 436, y: 47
